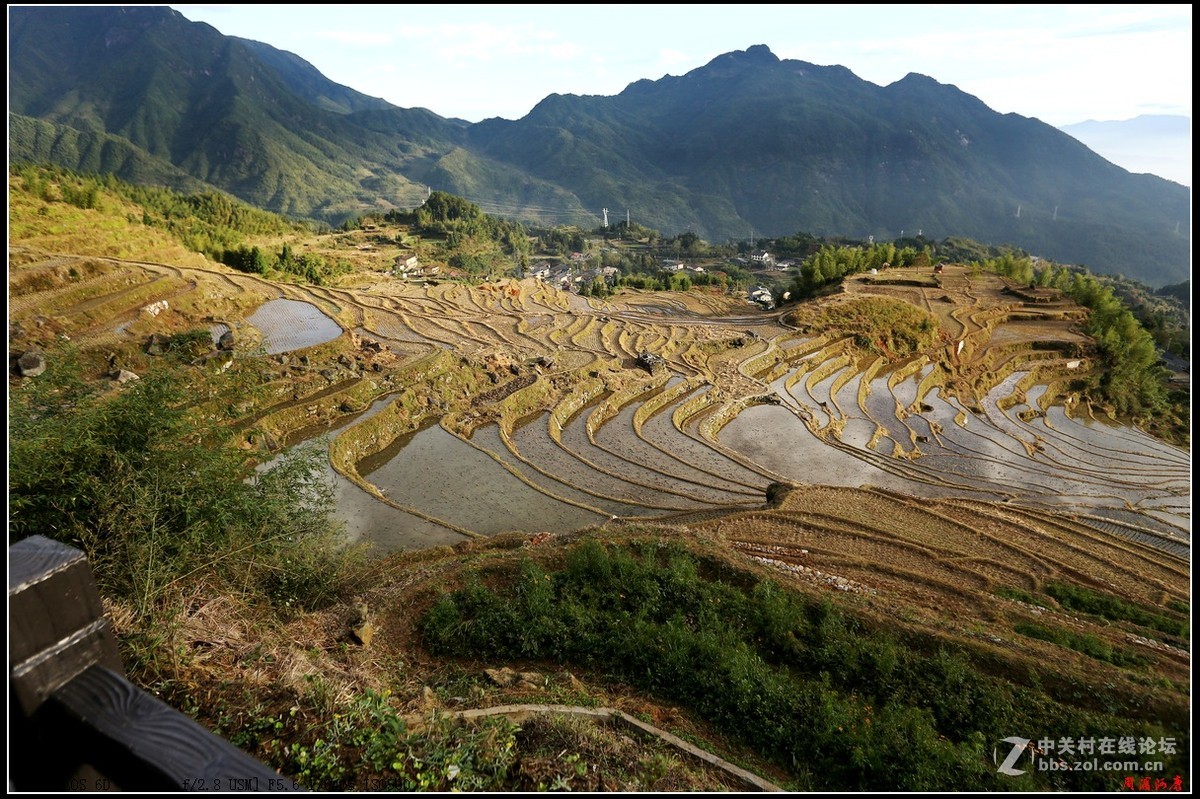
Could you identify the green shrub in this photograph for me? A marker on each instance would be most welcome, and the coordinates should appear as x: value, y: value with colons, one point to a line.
x: 1084, y: 643
x: 738, y: 658
x: 157, y: 498
x: 1019, y: 596
x: 840, y: 702
x: 1114, y: 608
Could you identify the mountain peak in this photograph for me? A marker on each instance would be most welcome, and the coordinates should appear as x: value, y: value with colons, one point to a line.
x: 917, y: 79
x: 757, y: 55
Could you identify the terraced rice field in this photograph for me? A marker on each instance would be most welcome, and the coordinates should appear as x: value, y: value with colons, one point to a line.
x: 514, y: 406
x: 954, y: 563
x: 287, y: 325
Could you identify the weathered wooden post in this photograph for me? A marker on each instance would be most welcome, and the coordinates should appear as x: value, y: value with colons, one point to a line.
x: 75, y: 722
x: 56, y: 624
x: 56, y: 631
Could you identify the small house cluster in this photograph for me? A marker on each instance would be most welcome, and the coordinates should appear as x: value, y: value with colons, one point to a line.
x: 409, y: 266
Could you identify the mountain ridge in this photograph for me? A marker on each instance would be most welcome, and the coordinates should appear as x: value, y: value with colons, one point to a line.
x: 747, y: 141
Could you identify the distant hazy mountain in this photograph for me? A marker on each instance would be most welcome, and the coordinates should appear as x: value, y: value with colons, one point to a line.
x: 745, y: 142
x: 1158, y: 144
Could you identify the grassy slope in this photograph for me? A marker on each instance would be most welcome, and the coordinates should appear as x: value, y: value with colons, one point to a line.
x: 113, y: 230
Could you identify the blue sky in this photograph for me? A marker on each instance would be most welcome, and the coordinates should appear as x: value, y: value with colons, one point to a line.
x: 1059, y: 63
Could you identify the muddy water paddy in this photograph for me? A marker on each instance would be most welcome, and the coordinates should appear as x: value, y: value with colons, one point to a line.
x: 435, y: 472
x: 288, y: 325
x: 366, y: 519
x: 556, y: 485
x: 1053, y: 460
x: 529, y: 482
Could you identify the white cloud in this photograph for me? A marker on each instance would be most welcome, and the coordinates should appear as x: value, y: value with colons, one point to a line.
x: 1112, y: 20
x: 483, y: 41
x: 669, y: 58
x: 358, y: 38
x: 564, y: 51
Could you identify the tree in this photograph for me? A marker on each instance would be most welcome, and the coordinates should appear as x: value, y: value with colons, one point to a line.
x: 689, y: 244
x: 810, y: 278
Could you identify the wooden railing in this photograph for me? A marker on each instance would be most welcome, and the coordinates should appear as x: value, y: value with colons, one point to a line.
x: 75, y: 722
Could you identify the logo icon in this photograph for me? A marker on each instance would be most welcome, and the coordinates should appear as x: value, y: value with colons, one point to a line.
x: 1018, y: 746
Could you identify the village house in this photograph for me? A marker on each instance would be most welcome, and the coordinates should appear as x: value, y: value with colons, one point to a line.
x: 410, y: 268
x: 405, y: 265
x: 763, y: 297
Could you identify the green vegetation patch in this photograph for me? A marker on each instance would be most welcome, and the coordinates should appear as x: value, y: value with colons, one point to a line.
x: 830, y: 264
x: 1019, y: 595
x: 1114, y: 608
x: 881, y: 325
x: 839, y: 702
x: 143, y: 481
x: 366, y: 745
x: 1131, y: 381
x: 1083, y: 643
x: 206, y: 222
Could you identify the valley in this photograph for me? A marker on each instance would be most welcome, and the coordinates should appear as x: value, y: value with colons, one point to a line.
x: 912, y: 448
